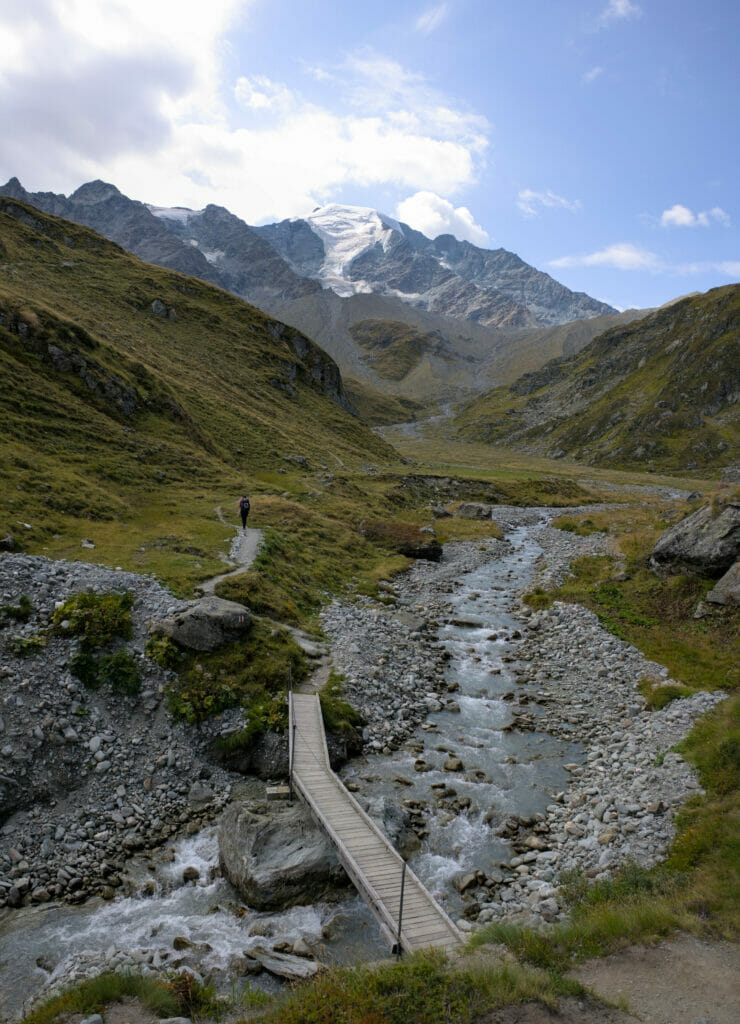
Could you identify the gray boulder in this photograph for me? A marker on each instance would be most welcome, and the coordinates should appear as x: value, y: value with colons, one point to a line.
x: 702, y: 544
x: 727, y: 589
x: 205, y: 624
x: 473, y: 510
x: 278, y: 859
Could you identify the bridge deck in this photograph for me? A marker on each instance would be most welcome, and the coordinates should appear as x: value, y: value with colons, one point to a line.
x: 370, y: 860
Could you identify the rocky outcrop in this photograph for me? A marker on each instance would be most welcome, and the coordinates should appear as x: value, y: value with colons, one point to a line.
x: 278, y: 859
x: 727, y: 590
x: 703, y: 543
x: 206, y: 624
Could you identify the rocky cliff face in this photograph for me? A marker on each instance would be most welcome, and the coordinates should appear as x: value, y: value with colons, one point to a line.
x: 662, y: 392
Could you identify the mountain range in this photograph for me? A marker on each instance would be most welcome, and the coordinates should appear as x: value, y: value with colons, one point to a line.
x: 344, y: 266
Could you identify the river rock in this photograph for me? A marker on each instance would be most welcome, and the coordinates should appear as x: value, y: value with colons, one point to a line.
x: 278, y: 859
x: 702, y: 543
x: 284, y: 965
x: 206, y: 624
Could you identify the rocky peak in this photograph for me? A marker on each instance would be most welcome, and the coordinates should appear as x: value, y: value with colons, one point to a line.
x: 96, y: 192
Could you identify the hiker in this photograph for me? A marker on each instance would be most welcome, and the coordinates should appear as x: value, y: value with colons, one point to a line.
x: 244, y: 507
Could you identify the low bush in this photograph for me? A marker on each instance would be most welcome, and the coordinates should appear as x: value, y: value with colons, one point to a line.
x: 98, y: 618
x: 339, y: 715
x: 118, y: 670
x: 163, y: 651
x: 20, y: 612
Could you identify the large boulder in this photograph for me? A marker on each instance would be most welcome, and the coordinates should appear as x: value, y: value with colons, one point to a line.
x: 727, y: 589
x: 206, y: 624
x: 278, y: 859
x: 431, y: 550
x: 473, y: 510
x: 702, y: 543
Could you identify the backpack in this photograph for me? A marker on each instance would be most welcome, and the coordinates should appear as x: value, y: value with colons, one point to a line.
x: 244, y: 505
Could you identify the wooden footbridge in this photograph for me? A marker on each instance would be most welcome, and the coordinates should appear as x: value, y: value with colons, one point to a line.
x: 409, y: 916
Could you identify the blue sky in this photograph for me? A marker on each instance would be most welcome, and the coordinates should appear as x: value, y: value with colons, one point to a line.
x: 598, y: 139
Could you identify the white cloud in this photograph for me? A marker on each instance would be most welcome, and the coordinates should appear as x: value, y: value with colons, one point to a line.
x: 261, y: 93
x: 433, y: 215
x: 616, y: 10
x: 531, y: 202
x: 432, y: 18
x: 136, y: 92
x: 626, y: 256
x: 591, y: 75
x: 679, y: 216
x: 620, y: 256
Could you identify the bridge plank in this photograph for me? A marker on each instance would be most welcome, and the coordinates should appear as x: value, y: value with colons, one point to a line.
x: 373, y: 864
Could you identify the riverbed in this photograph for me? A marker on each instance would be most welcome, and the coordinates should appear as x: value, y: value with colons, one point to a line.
x: 516, y: 745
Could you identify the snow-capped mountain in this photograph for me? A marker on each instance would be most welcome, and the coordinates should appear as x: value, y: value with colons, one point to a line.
x: 353, y: 249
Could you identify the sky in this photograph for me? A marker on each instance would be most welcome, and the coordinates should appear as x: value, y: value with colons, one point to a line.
x: 597, y: 139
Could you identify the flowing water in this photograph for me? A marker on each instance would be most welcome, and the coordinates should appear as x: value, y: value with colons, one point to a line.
x: 519, y: 770
x: 509, y: 772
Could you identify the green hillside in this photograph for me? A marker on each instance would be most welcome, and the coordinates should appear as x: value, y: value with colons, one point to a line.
x: 134, y: 399
x: 660, y: 393
x: 393, y: 349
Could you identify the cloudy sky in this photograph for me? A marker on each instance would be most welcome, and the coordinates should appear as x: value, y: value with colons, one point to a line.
x: 598, y: 139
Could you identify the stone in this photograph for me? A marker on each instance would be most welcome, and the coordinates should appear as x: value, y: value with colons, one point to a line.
x: 7, y: 543
x: 190, y: 874
x: 473, y: 510
x: 703, y: 543
x: 453, y: 764
x: 278, y: 859
x: 206, y: 624
x: 464, y: 882
x: 284, y: 965
x: 727, y: 590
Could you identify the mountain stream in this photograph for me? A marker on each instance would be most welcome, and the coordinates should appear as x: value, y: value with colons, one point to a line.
x: 510, y: 771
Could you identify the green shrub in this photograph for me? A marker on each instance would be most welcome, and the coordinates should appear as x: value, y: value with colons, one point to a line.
x: 23, y: 646
x: 164, y: 651
x: 339, y: 716
x: 118, y: 670
x: 98, y: 618
x: 21, y: 612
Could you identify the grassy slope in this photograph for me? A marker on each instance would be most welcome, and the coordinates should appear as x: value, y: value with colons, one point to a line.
x: 220, y: 398
x: 657, y: 393
x: 393, y: 349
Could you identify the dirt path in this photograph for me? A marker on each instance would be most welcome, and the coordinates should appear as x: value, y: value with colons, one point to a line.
x: 242, y: 554
x: 683, y: 981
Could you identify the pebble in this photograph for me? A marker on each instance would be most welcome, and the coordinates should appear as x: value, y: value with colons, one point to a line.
x: 122, y: 770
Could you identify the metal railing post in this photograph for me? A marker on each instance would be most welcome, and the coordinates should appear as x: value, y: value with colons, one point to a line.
x: 399, y: 947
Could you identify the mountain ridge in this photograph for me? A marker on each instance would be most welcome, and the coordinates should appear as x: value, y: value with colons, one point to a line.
x: 660, y: 392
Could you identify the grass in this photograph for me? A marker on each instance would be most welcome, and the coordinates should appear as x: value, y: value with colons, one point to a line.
x: 339, y: 716
x: 20, y: 612
x: 423, y: 988
x: 95, y: 994
x: 180, y: 995
x: 248, y: 673
x: 654, y: 393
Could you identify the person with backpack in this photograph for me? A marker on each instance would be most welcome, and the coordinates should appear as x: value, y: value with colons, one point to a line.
x: 244, y: 507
